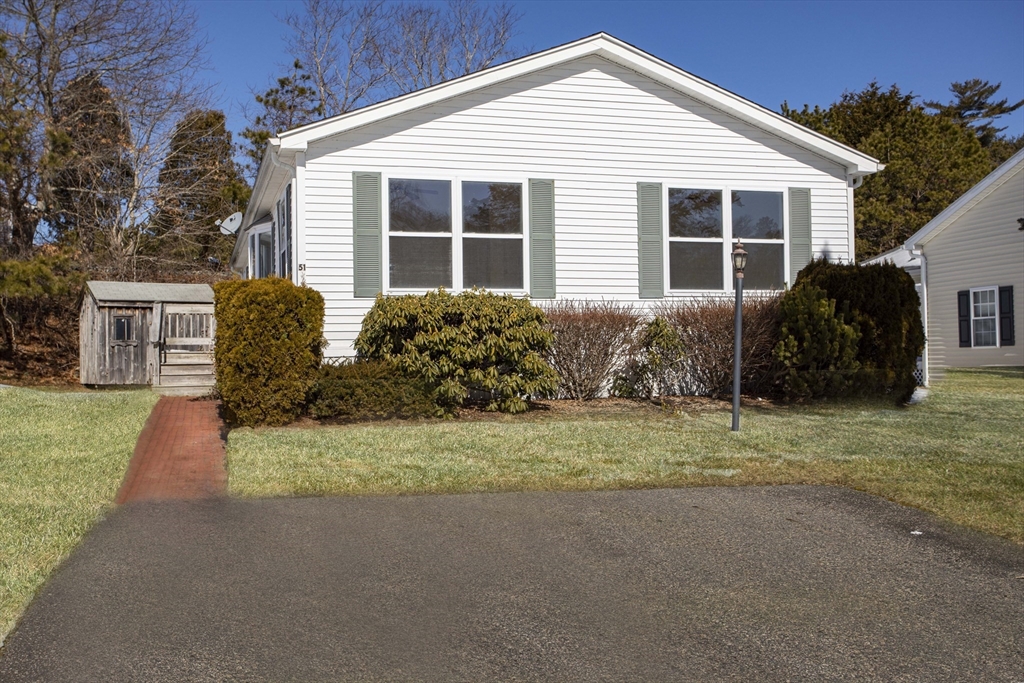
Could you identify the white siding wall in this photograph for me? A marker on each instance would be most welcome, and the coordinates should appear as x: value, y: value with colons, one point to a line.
x: 982, y: 248
x: 596, y: 129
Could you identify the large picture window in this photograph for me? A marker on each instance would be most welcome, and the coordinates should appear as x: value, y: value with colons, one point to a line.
x: 455, y: 234
x: 757, y: 221
x: 695, y: 239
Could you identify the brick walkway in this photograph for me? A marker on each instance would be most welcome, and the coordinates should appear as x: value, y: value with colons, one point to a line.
x: 179, y: 454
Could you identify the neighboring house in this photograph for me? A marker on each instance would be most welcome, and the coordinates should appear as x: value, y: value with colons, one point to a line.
x: 134, y: 333
x: 589, y: 171
x: 971, y: 262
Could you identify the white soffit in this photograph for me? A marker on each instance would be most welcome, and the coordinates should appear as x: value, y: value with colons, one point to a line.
x: 614, y: 50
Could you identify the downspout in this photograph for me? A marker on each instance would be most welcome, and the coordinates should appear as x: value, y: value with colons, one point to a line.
x: 924, y: 311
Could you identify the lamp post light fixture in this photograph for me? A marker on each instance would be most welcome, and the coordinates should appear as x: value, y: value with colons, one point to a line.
x: 739, y: 263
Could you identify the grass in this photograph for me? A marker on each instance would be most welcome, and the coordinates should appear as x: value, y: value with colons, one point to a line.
x: 960, y: 454
x: 62, y: 457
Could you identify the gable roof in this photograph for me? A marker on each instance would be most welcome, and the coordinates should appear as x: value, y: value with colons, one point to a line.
x: 149, y: 292
x: 614, y: 50
x: 967, y: 201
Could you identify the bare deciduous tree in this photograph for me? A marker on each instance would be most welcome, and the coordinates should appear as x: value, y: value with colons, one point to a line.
x: 147, y: 55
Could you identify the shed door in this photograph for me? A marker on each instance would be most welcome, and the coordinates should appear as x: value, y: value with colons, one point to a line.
x: 127, y: 343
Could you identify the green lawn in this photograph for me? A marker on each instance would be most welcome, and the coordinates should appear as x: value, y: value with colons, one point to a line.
x: 959, y: 455
x: 62, y: 457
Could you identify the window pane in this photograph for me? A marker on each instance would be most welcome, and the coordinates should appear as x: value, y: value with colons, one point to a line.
x: 492, y: 208
x: 421, y: 262
x: 985, y: 304
x: 985, y: 332
x: 122, y: 329
x: 420, y: 205
x: 694, y: 213
x: 265, y: 255
x: 695, y: 265
x: 764, y: 267
x: 757, y: 215
x: 494, y: 264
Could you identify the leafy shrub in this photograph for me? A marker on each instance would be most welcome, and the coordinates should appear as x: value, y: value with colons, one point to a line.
x: 817, y: 349
x: 592, y: 344
x: 268, y: 347
x: 880, y: 300
x: 656, y: 365
x: 368, y: 390
x: 705, y: 329
x: 489, y: 344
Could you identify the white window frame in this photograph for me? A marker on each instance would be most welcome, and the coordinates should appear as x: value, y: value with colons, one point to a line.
x: 456, y: 234
x: 727, y: 237
x: 995, y: 294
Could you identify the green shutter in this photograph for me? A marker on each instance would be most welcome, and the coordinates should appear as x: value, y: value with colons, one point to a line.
x: 542, y: 239
x: 649, y: 224
x: 366, y: 234
x: 799, y: 231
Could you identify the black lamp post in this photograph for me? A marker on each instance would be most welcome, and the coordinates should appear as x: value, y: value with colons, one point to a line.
x: 739, y: 262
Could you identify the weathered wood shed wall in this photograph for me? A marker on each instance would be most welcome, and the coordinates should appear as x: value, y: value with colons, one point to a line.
x: 120, y: 329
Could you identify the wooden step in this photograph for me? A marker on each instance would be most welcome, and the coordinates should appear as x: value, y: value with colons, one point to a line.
x: 184, y: 391
x: 186, y: 380
x: 186, y: 369
x: 186, y: 357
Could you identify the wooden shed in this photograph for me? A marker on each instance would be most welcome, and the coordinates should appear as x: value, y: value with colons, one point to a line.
x: 139, y: 333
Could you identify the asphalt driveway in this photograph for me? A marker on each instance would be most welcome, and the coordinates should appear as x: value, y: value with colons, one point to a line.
x: 711, y: 584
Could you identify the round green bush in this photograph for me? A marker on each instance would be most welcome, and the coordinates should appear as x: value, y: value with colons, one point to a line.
x: 477, y: 343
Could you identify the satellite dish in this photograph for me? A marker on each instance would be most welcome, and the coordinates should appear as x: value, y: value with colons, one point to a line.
x: 229, y: 226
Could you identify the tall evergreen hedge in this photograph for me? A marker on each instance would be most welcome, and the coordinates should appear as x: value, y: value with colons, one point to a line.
x: 268, y: 348
x: 881, y: 303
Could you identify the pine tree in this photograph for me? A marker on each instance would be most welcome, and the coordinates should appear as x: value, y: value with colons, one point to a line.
x: 18, y: 165
x: 291, y: 103
x: 972, y: 107
x: 199, y: 184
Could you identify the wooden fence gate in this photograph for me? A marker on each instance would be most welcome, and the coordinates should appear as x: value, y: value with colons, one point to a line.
x: 186, y: 348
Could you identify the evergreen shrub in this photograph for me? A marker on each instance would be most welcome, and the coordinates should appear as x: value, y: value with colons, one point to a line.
x: 489, y: 344
x: 368, y: 390
x: 656, y: 365
x: 268, y: 348
x: 817, y: 349
x: 881, y: 302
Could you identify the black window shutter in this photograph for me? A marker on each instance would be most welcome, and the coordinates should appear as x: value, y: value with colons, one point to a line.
x: 1006, y: 316
x: 963, y: 301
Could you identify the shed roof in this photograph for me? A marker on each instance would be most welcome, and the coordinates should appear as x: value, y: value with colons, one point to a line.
x: 150, y: 292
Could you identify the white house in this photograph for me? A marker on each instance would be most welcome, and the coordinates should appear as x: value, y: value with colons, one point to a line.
x: 590, y: 170
x: 971, y: 261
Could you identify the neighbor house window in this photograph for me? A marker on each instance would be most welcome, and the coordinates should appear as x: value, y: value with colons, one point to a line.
x: 492, y: 235
x: 757, y: 221
x: 265, y: 255
x: 122, y: 329
x: 695, y: 239
x: 984, y: 317
x: 455, y: 234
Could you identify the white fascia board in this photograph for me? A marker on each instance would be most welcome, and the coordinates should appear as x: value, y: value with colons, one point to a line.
x: 967, y: 201
x: 614, y: 50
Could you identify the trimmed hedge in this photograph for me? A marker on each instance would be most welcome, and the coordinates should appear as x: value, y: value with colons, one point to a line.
x: 368, y: 390
x: 881, y: 302
x: 268, y: 348
x: 489, y: 344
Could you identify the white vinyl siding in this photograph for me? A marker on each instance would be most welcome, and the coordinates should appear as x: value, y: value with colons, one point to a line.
x: 596, y: 129
x: 982, y: 248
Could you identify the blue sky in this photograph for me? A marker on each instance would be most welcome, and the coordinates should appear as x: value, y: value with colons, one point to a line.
x: 765, y: 51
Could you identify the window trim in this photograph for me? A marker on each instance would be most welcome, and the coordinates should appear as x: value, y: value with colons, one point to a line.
x: 727, y: 236
x: 456, y: 234
x: 254, y: 252
x: 995, y: 291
